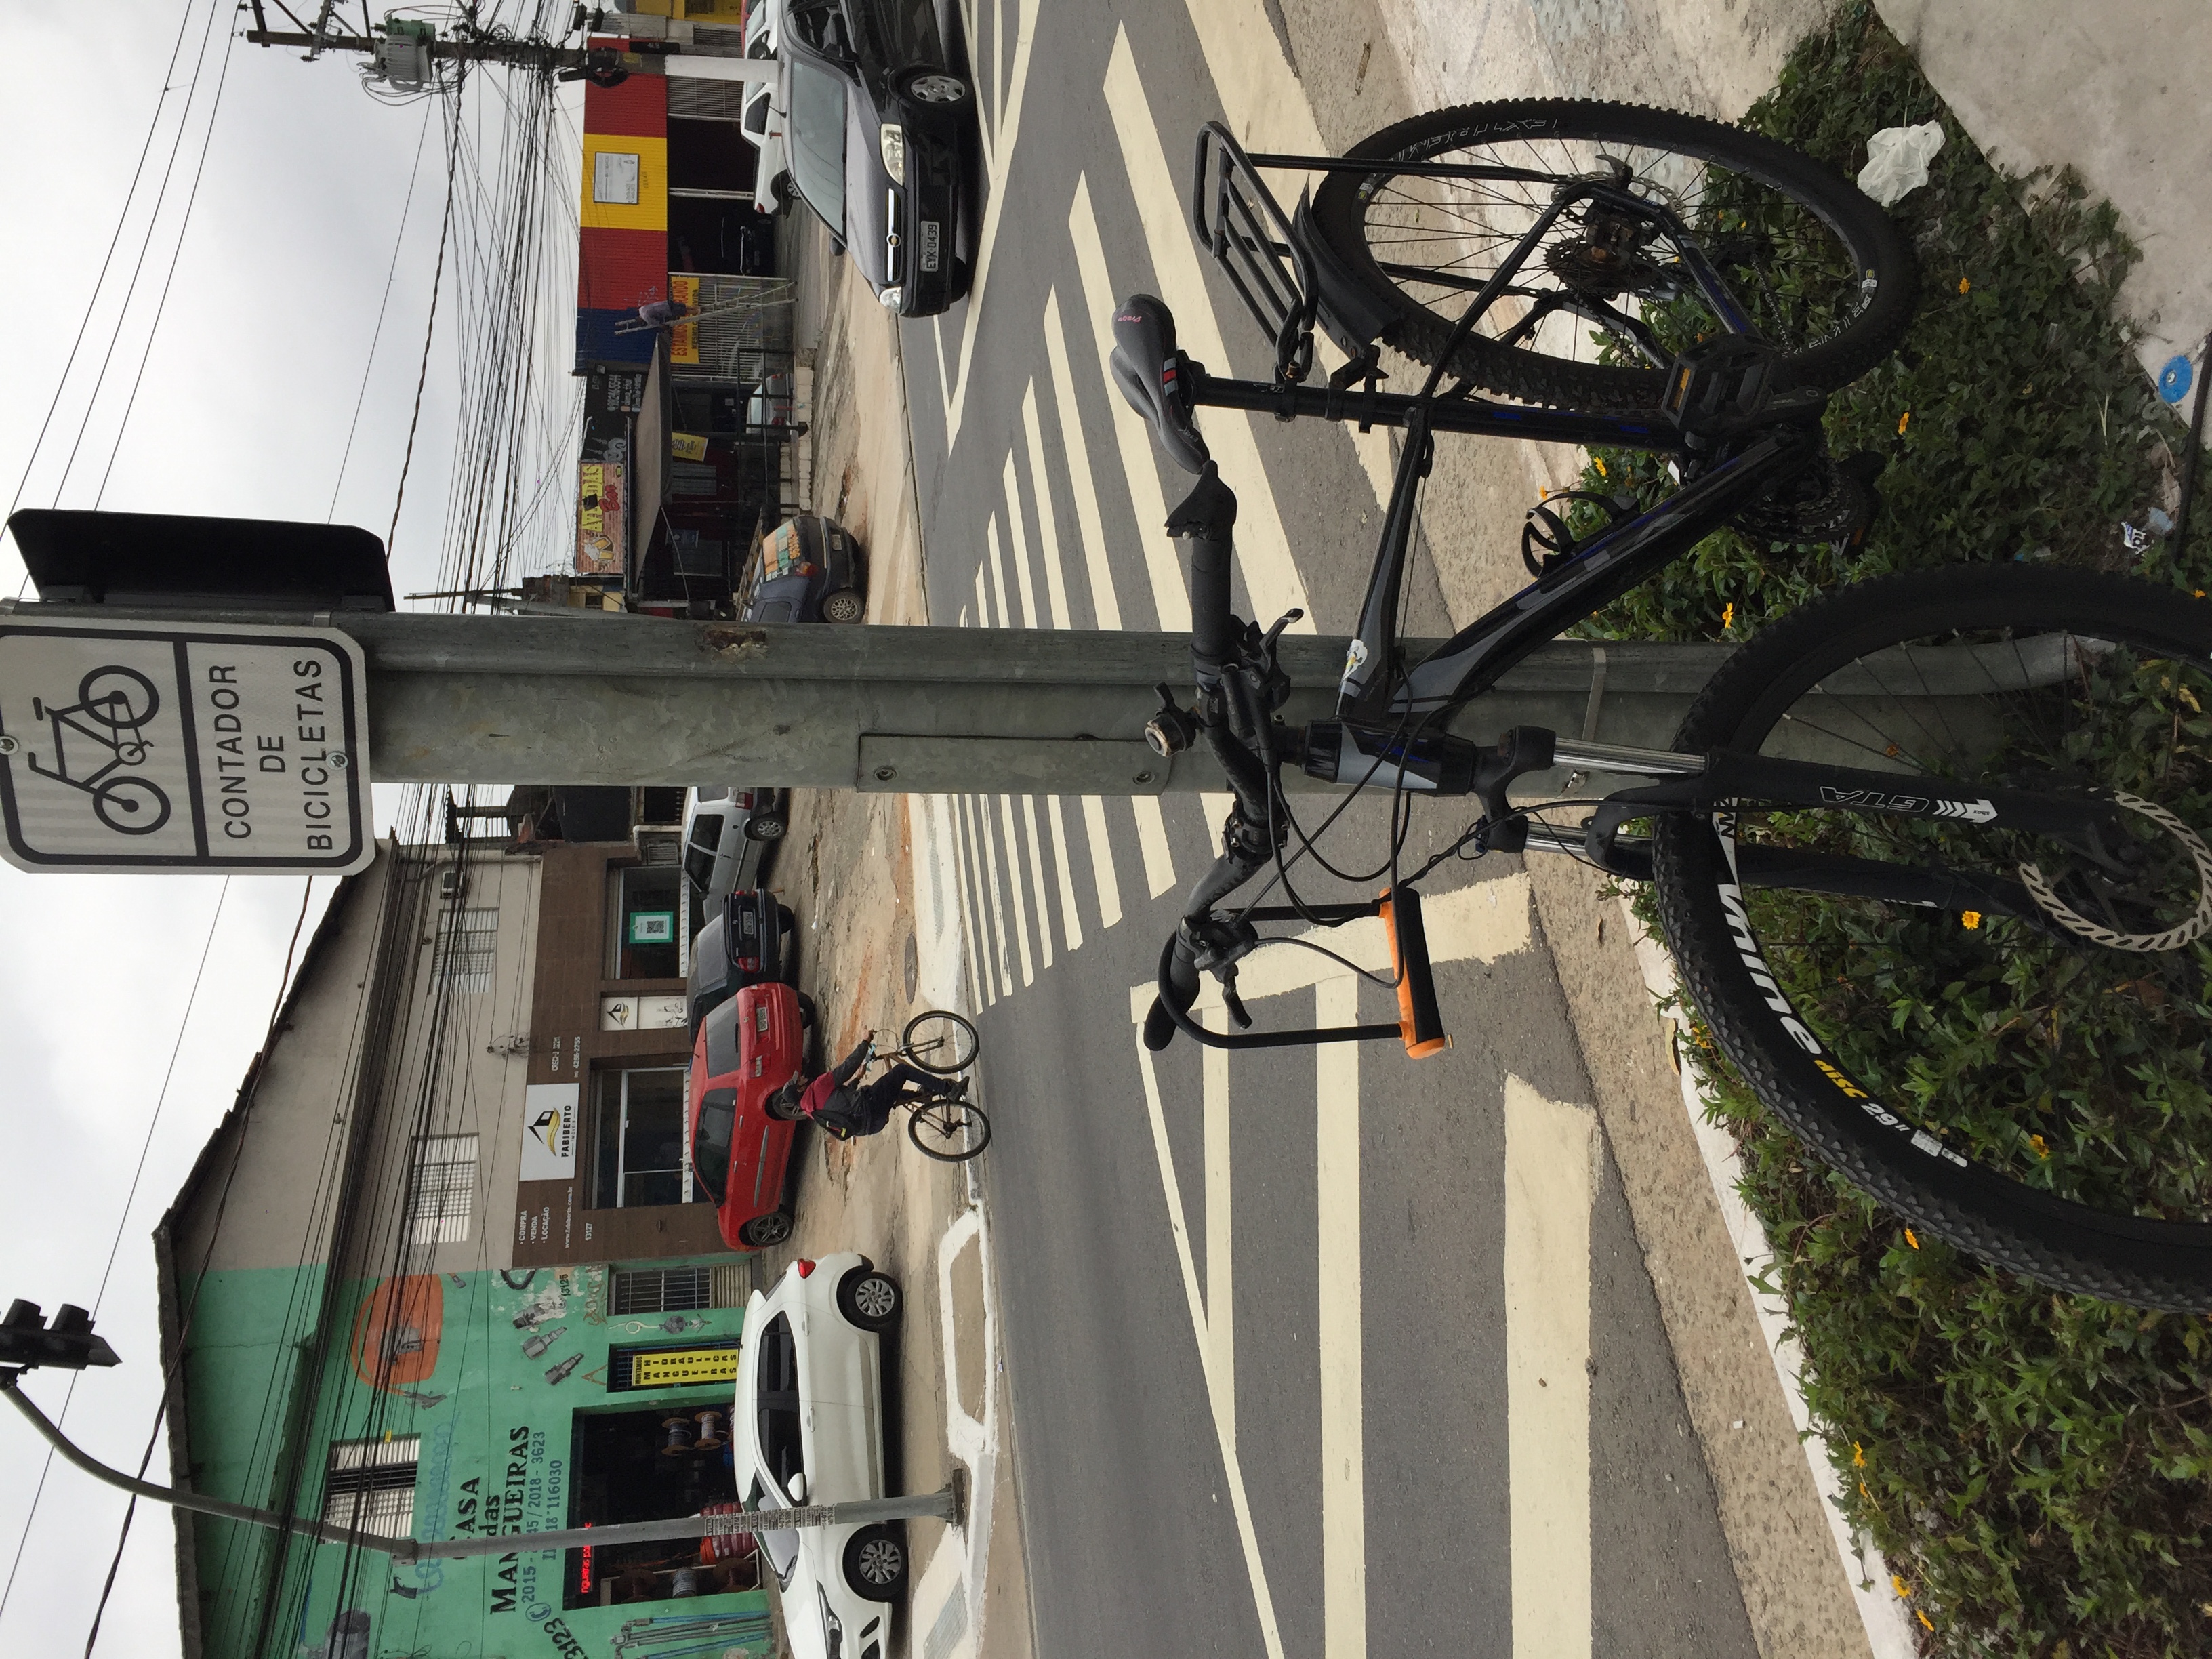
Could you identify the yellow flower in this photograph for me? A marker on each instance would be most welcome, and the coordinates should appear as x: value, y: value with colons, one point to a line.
x: 1728, y: 614
x: 1923, y: 1618
x: 1598, y: 461
x: 1900, y: 1585
x: 1964, y: 285
x: 1902, y: 422
x: 1911, y: 1240
x: 1969, y: 920
x: 1858, y: 1456
x: 2042, y: 1146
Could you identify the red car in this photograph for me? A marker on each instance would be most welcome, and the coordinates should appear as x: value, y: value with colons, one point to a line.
x: 748, y: 1047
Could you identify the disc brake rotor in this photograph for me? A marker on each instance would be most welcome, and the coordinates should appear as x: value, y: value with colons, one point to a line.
x: 2195, y: 926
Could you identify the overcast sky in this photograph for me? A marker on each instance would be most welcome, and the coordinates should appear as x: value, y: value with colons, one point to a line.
x: 248, y: 390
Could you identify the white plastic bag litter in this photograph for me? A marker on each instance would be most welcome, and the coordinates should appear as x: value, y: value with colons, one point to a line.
x: 1897, y: 160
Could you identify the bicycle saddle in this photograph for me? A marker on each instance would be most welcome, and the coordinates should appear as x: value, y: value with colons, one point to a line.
x: 1155, y: 378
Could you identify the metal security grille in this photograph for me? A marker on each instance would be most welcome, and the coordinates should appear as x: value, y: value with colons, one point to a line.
x: 742, y: 319
x: 371, y: 1486
x: 675, y: 1289
x: 661, y: 1289
x: 468, y: 948
x: 442, y: 1193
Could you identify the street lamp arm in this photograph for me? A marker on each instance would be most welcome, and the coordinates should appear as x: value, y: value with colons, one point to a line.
x: 947, y: 1506
x: 198, y: 1502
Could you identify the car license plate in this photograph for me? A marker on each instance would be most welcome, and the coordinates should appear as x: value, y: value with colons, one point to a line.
x: 929, y: 243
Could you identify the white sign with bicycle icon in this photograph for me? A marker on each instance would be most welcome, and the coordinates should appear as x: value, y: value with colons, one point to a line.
x: 135, y: 746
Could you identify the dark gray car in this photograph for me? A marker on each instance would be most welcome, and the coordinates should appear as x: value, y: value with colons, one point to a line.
x: 880, y: 128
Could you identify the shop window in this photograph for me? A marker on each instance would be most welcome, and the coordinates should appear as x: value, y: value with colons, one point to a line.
x: 468, y: 948
x: 645, y: 912
x: 638, y: 1150
x: 370, y: 1485
x: 655, y: 1463
x: 441, y: 1190
x: 676, y: 1289
x: 709, y: 1362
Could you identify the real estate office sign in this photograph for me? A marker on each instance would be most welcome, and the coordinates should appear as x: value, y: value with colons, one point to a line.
x: 129, y: 745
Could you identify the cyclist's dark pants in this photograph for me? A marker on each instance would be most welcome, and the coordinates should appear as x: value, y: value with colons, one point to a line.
x: 880, y: 1098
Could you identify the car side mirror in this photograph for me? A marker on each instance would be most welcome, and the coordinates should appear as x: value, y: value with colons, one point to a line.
x: 798, y: 1484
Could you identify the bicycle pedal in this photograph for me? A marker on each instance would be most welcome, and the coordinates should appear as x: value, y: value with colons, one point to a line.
x: 1720, y: 385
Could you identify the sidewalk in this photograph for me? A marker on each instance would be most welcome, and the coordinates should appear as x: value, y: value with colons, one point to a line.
x: 867, y: 958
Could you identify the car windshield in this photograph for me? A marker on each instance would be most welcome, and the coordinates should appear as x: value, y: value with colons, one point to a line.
x: 710, y: 1151
x: 721, y: 1028
x: 814, y: 137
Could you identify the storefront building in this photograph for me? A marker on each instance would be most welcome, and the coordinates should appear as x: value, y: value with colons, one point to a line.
x: 438, y: 1275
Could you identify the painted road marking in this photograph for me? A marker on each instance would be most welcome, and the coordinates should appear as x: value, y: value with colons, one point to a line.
x: 1018, y: 543
x: 1220, y: 1238
x: 1263, y: 552
x: 1071, y: 921
x: 1171, y: 599
x: 1255, y: 1570
x: 1056, y: 578
x: 1036, y: 879
x: 1263, y: 104
x: 1014, y: 885
x: 1102, y: 873
x: 1343, y: 1401
x: 1103, y: 604
x: 1549, y: 1148
x: 1007, y: 130
x: 1479, y: 923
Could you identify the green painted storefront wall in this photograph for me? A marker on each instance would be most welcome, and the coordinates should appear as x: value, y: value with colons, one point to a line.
x: 492, y: 1371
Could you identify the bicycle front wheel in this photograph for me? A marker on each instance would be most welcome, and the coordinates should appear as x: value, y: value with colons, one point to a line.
x: 118, y: 696
x: 951, y: 1131
x: 941, y: 1043
x: 2033, y: 1087
x: 1604, y: 300
x: 131, y: 806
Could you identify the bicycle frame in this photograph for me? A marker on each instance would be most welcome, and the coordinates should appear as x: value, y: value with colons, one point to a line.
x: 1733, y: 441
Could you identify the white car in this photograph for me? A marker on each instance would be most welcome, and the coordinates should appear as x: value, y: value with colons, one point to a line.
x: 761, y: 120
x: 726, y: 836
x: 808, y: 1420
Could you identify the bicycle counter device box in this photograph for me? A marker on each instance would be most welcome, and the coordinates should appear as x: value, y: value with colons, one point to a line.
x: 139, y: 746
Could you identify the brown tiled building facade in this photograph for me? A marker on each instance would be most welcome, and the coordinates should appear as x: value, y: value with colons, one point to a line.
x: 603, y: 1176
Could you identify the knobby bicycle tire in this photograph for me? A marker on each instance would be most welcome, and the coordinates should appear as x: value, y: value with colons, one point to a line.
x: 941, y: 1043
x: 970, y: 1135
x: 1980, y: 1203
x: 1883, y: 261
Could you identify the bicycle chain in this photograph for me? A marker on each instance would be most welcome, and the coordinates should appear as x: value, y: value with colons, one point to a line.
x: 2174, y: 939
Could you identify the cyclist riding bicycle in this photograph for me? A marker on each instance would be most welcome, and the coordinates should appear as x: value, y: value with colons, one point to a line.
x: 849, y: 1111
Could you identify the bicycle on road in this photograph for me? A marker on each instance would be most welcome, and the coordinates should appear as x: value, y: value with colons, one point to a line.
x: 1929, y: 852
x: 113, y: 705
x: 942, y: 1122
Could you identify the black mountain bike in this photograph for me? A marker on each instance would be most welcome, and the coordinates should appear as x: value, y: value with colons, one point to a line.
x: 1927, y: 851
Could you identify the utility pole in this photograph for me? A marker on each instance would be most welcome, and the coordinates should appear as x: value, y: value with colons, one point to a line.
x: 614, y: 698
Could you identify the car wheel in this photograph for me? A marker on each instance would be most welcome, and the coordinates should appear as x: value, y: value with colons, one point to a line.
x: 875, y: 1564
x: 869, y: 1298
x: 767, y: 829
x: 763, y: 1231
x: 807, y: 1015
x: 936, y: 89
x: 844, y: 606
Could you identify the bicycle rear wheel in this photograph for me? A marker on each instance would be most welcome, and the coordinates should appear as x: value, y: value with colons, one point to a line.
x: 941, y: 1043
x: 1593, y: 316
x: 951, y: 1129
x: 2033, y: 1087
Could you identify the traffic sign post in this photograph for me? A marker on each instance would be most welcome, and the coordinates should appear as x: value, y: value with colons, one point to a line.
x: 182, y: 746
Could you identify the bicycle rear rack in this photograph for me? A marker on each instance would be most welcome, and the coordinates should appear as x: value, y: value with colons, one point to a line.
x: 1251, y: 239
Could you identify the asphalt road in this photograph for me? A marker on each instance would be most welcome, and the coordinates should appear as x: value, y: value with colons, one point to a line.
x: 1310, y: 1353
